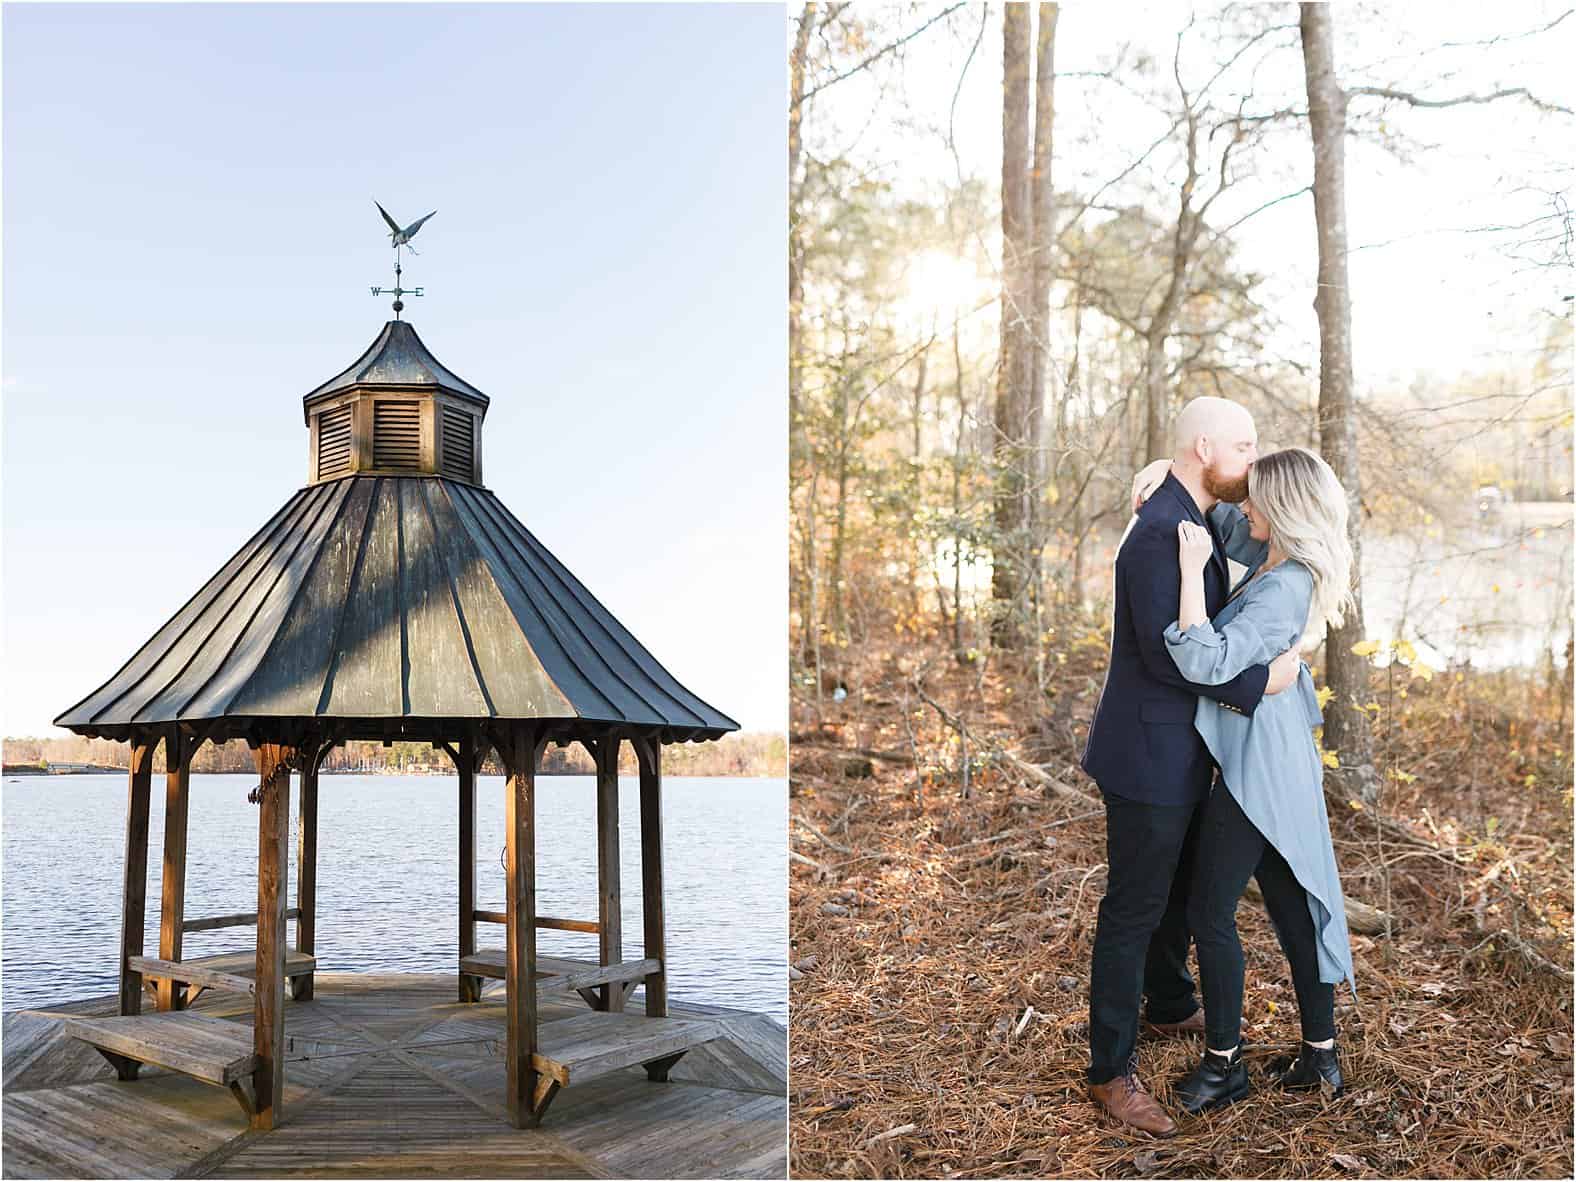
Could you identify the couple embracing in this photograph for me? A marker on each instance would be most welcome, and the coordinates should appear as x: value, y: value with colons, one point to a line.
x: 1205, y: 678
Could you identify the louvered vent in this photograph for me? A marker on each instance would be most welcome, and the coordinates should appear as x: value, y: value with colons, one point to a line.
x: 458, y: 443
x: 396, y: 435
x: 333, y: 443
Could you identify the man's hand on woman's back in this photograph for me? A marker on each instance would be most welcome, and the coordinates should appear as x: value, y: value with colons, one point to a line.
x: 1283, y: 670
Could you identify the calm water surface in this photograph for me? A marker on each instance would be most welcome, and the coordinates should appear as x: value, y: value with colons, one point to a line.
x: 387, y: 884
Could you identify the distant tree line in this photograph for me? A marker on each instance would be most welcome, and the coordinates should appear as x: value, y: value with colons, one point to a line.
x: 748, y: 754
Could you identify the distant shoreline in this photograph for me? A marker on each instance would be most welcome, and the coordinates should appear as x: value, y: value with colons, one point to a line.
x: 28, y: 770
x: 757, y: 753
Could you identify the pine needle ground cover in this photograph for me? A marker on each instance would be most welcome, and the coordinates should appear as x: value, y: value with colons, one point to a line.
x: 941, y: 937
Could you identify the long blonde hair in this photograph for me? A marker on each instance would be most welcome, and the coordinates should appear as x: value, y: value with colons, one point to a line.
x: 1306, y: 509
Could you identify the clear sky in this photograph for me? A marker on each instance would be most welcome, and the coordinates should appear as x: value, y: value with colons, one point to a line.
x: 189, y: 239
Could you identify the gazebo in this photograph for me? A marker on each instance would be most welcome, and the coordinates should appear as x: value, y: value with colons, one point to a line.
x: 393, y: 598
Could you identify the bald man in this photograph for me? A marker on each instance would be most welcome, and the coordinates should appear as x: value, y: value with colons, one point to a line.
x: 1152, y: 767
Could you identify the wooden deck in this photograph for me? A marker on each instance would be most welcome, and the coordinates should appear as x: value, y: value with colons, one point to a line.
x: 387, y: 1076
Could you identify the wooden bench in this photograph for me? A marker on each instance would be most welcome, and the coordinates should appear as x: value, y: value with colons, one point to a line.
x: 203, y: 1047
x: 573, y: 1050
x: 564, y: 973
x: 229, y: 970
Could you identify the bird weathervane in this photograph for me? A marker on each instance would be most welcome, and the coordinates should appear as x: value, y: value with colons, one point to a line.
x: 401, y: 238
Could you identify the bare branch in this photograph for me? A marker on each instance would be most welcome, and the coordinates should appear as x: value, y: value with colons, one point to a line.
x: 1416, y: 100
x: 878, y: 54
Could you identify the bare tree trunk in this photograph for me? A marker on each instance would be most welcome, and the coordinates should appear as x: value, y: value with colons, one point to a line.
x: 1012, y: 378
x: 916, y: 484
x: 957, y: 499
x: 796, y: 70
x: 1346, y: 730
x: 1042, y: 205
x: 1190, y: 221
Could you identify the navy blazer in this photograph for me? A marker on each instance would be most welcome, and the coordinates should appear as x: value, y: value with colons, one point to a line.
x: 1142, y: 742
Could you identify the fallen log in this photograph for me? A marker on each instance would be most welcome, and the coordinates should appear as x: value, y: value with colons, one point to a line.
x: 1360, y: 917
x: 902, y: 757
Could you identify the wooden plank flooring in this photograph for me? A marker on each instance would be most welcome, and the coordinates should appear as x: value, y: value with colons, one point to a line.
x: 388, y: 1075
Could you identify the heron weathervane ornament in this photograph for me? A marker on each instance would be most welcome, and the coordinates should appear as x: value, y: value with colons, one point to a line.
x: 401, y: 238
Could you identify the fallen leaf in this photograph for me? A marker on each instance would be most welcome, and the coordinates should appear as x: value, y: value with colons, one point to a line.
x: 1347, y: 1161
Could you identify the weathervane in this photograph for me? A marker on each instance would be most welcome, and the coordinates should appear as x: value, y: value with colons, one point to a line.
x: 401, y: 238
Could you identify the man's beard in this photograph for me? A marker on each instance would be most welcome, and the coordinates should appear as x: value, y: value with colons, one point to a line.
x: 1217, y: 486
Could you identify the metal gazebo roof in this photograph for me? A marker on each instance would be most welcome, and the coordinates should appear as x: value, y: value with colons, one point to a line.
x: 388, y: 598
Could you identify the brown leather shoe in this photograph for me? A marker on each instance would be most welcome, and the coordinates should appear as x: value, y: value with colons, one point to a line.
x: 1124, y: 1098
x: 1192, y: 1025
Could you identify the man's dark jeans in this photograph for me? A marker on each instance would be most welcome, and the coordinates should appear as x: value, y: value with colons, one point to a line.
x: 1141, y: 937
x: 1230, y: 851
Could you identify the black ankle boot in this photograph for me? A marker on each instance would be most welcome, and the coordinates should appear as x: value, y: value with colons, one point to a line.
x: 1312, y: 1068
x: 1214, y: 1083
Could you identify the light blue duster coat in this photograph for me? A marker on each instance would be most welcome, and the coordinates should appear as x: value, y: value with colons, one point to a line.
x: 1269, y: 761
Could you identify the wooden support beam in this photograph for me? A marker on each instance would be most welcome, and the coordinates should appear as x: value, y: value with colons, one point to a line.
x: 178, y: 751
x: 134, y: 883
x: 124, y: 1068
x: 657, y: 1069
x: 306, y: 876
x: 542, y: 921
x: 245, y: 1096
x: 546, y: 1088
x: 237, y: 920
x: 648, y: 752
x: 268, y: 1010
x: 521, y: 751
x: 609, y: 893
x: 465, y: 764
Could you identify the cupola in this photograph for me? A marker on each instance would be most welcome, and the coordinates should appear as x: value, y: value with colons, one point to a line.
x: 396, y: 410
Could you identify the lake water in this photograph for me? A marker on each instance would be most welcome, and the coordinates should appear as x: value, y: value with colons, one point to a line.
x: 387, y: 883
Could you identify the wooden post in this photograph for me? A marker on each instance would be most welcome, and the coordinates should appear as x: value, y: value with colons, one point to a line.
x: 268, y: 1011
x: 648, y: 751
x: 610, y: 909
x: 520, y: 754
x: 306, y: 874
x: 470, y: 985
x: 134, y: 885
x: 178, y: 750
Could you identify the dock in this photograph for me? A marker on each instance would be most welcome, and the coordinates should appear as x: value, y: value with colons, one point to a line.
x: 389, y: 1075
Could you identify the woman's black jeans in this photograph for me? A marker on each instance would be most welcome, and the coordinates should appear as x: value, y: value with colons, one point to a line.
x: 1230, y: 851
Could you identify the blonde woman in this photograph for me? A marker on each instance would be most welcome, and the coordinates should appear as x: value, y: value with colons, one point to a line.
x: 1265, y: 818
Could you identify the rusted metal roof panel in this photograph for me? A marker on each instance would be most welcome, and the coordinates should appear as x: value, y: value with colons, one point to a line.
x: 389, y: 598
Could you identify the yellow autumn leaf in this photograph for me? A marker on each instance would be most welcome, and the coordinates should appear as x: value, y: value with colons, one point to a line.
x: 1530, y: 780
x: 1356, y: 804
x: 1495, y: 588
x: 1421, y: 670
x: 1324, y: 696
x: 1404, y: 650
x: 1331, y: 759
x: 1366, y: 648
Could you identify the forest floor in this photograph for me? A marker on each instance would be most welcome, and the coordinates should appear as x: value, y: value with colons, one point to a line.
x: 940, y: 939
